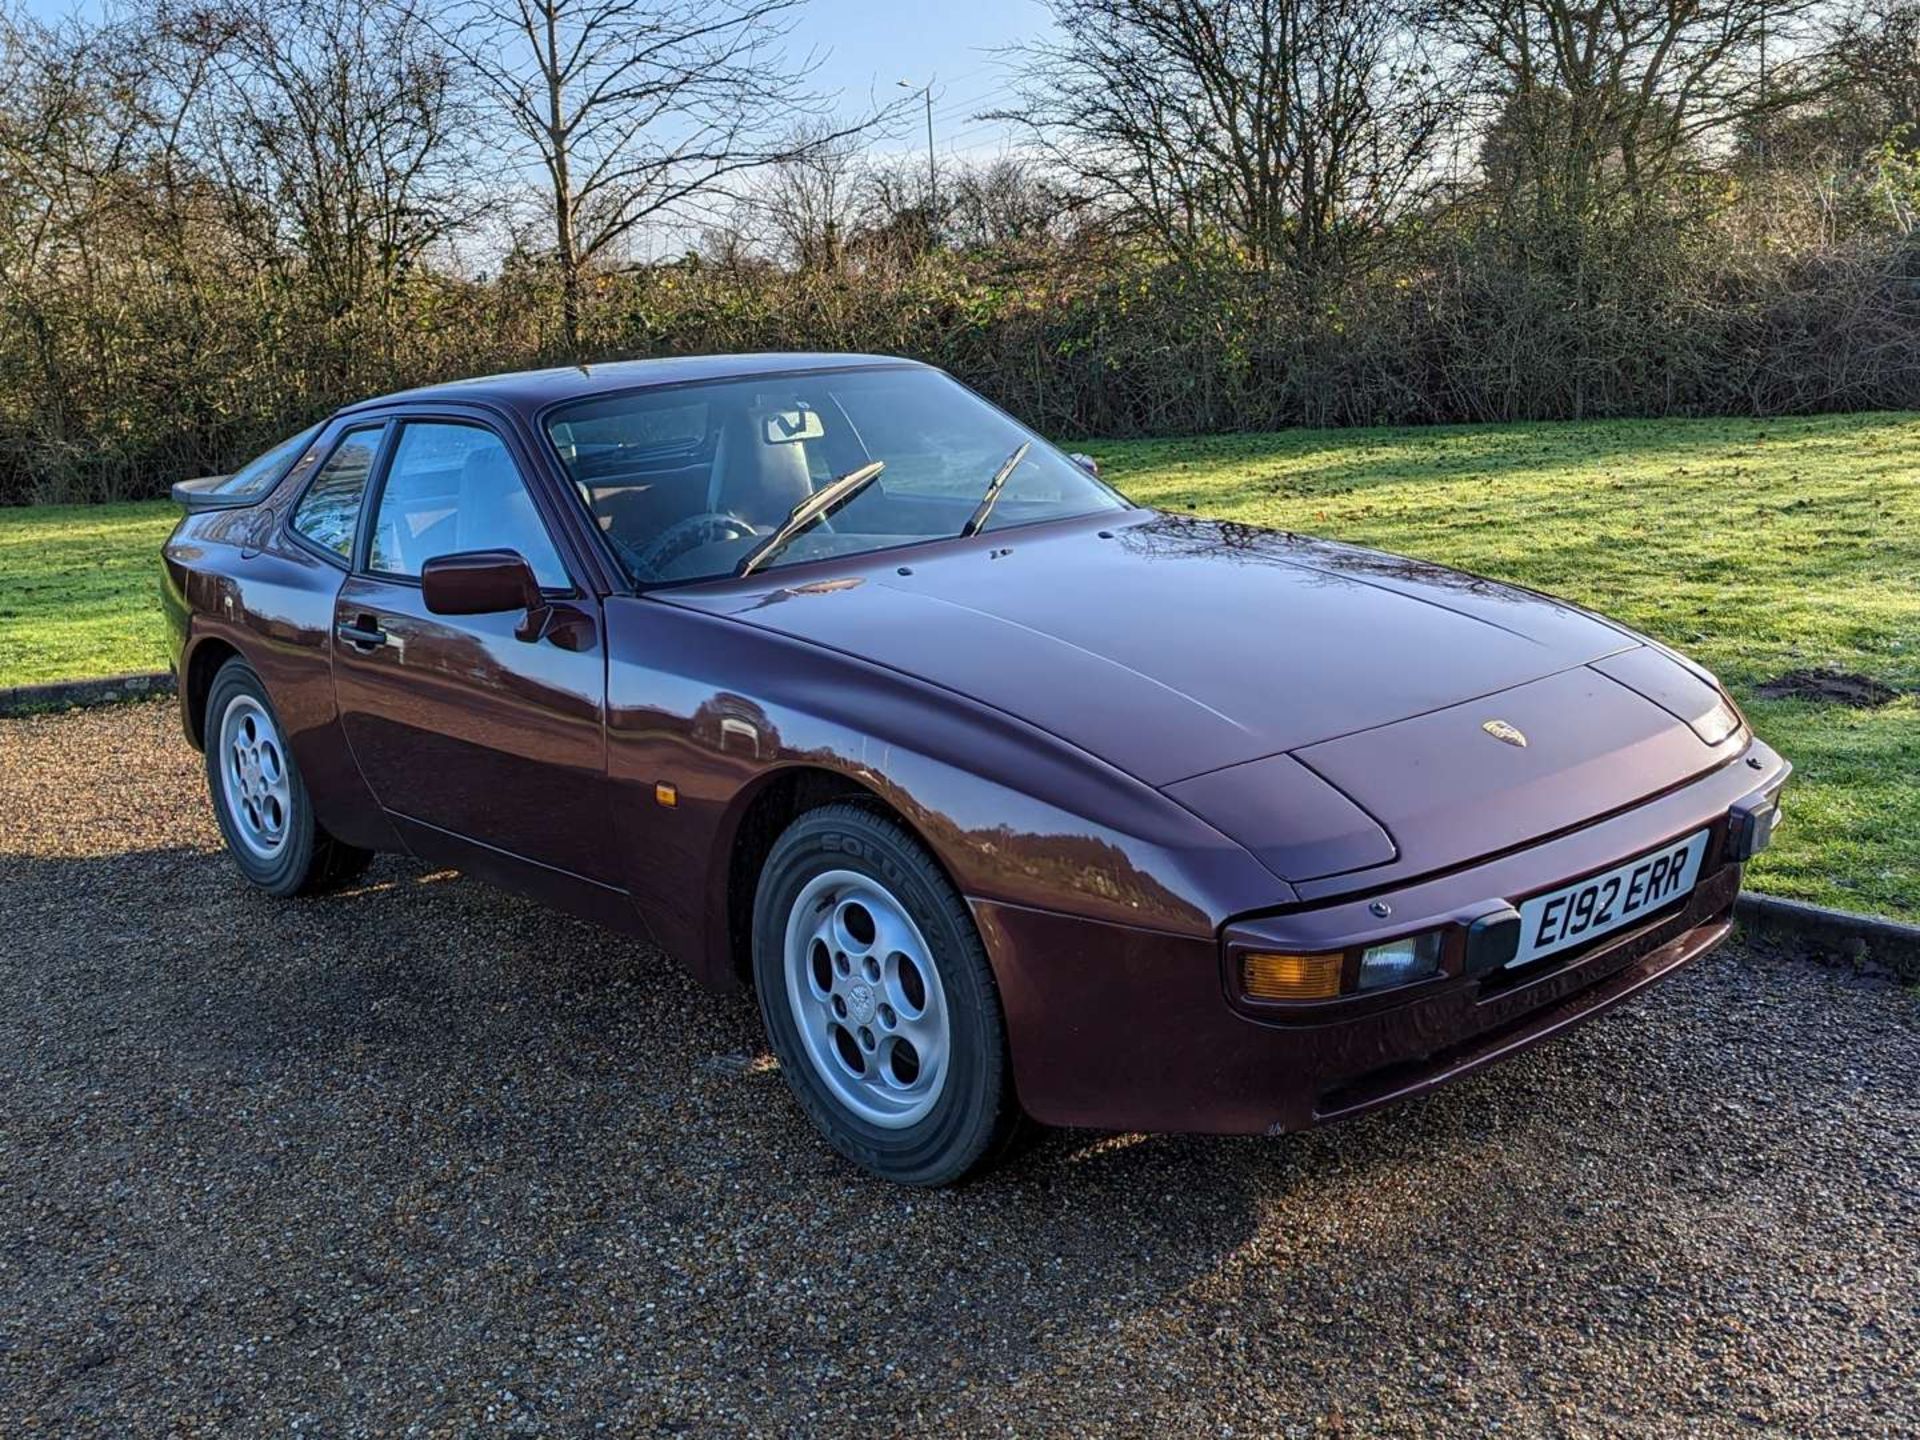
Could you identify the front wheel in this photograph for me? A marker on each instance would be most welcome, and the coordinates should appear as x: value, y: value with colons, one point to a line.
x: 879, y: 1001
x: 259, y: 798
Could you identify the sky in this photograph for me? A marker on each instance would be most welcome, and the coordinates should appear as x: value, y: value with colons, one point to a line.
x: 874, y: 43
x: 865, y: 46
x: 862, y: 49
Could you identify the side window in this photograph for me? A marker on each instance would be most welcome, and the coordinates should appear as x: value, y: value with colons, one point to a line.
x: 329, y: 511
x: 260, y: 474
x: 452, y: 488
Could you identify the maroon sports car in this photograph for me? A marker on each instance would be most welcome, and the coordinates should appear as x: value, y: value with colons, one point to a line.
x: 1007, y: 796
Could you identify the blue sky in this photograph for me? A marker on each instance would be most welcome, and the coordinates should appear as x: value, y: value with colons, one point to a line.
x: 876, y: 42
x: 869, y: 44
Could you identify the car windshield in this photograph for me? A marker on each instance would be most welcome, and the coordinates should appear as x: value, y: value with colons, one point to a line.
x: 261, y: 473
x: 685, y: 481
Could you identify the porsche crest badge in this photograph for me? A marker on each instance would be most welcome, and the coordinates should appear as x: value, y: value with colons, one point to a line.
x: 1501, y: 730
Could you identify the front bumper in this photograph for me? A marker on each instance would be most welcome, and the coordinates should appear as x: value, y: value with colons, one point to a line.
x: 1127, y: 1029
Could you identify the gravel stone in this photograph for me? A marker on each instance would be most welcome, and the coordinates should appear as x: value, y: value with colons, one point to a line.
x: 422, y: 1159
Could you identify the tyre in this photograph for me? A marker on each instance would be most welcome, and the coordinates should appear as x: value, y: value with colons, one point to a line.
x: 259, y: 798
x: 879, y: 1001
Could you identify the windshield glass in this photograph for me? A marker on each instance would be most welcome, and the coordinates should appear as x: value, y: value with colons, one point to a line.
x: 686, y: 481
x: 259, y: 474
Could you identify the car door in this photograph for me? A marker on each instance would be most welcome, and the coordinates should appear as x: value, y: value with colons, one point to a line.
x: 481, y: 735
x: 291, y: 615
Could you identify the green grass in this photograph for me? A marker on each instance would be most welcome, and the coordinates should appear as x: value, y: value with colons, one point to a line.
x: 80, y: 590
x: 1755, y: 546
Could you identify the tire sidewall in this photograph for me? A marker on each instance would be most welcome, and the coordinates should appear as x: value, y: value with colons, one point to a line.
x: 284, y: 873
x: 970, y: 1114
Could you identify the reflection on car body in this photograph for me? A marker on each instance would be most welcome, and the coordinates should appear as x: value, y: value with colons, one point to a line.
x: 1100, y: 816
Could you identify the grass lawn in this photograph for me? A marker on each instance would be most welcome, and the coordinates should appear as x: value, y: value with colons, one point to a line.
x: 1756, y: 546
x: 80, y: 590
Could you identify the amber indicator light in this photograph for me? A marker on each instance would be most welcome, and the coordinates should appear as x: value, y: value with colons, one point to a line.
x: 1267, y: 976
x: 666, y: 794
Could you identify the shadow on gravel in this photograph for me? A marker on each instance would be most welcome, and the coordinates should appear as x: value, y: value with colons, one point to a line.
x: 421, y: 1126
x: 422, y: 1154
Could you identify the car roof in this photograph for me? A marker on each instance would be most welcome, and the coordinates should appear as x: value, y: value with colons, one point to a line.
x: 529, y: 390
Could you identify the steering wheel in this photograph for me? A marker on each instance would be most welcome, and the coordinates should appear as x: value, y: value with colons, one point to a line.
x: 689, y: 533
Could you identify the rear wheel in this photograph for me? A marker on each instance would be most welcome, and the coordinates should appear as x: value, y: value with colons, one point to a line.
x: 879, y: 1000
x: 258, y: 796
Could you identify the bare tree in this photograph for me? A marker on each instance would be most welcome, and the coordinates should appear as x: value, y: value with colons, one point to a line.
x: 1603, y: 102
x: 807, y: 200
x: 898, y: 205
x: 1286, y: 129
x: 336, y: 126
x: 1876, y: 56
x: 1863, y: 95
x: 637, y: 110
x: 58, y: 139
x: 1008, y: 203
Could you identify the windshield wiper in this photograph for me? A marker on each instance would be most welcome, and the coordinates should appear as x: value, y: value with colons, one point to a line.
x: 994, y: 487
x: 816, y: 506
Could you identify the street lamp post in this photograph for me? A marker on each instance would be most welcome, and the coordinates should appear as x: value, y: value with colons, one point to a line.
x: 933, y: 178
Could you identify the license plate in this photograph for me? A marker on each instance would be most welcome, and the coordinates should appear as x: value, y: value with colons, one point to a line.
x: 1601, y: 903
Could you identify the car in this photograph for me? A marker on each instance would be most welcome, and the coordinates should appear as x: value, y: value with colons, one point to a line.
x: 1011, y: 801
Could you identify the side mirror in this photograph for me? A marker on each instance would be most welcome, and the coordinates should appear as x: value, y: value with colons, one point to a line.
x: 479, y: 582
x: 1086, y: 463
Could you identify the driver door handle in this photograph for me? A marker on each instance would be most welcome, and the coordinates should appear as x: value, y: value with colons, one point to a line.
x: 364, y: 633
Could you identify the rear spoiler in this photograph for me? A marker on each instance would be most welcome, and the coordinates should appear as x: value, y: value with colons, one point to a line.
x: 195, y: 495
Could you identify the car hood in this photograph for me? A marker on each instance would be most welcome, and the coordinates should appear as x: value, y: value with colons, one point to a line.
x: 1172, y: 646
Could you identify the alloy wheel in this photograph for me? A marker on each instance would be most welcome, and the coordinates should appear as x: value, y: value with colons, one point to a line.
x: 257, y: 790
x: 867, y: 999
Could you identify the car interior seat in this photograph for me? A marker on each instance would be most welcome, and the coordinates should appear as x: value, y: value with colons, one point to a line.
x: 757, y: 481
x: 495, y: 512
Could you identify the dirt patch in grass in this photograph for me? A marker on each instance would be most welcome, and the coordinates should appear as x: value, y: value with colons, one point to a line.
x: 1837, y: 687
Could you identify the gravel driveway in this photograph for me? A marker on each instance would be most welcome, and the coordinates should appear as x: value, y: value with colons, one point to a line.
x: 424, y: 1159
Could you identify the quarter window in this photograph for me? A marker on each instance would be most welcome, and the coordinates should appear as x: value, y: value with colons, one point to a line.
x: 330, y: 509
x: 453, y: 488
x: 260, y: 474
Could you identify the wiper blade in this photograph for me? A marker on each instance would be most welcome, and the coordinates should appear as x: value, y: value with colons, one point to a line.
x: 994, y: 487
x: 816, y: 506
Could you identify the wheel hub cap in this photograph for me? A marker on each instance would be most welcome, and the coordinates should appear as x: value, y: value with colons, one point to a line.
x: 860, y: 1003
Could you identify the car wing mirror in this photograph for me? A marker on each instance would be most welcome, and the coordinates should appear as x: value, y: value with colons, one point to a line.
x: 1086, y: 462
x: 479, y: 582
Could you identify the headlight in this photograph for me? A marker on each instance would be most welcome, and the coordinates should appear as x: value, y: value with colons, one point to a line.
x: 1400, y: 962
x: 1718, y: 723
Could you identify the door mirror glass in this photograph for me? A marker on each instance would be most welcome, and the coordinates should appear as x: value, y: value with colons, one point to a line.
x: 478, y: 582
